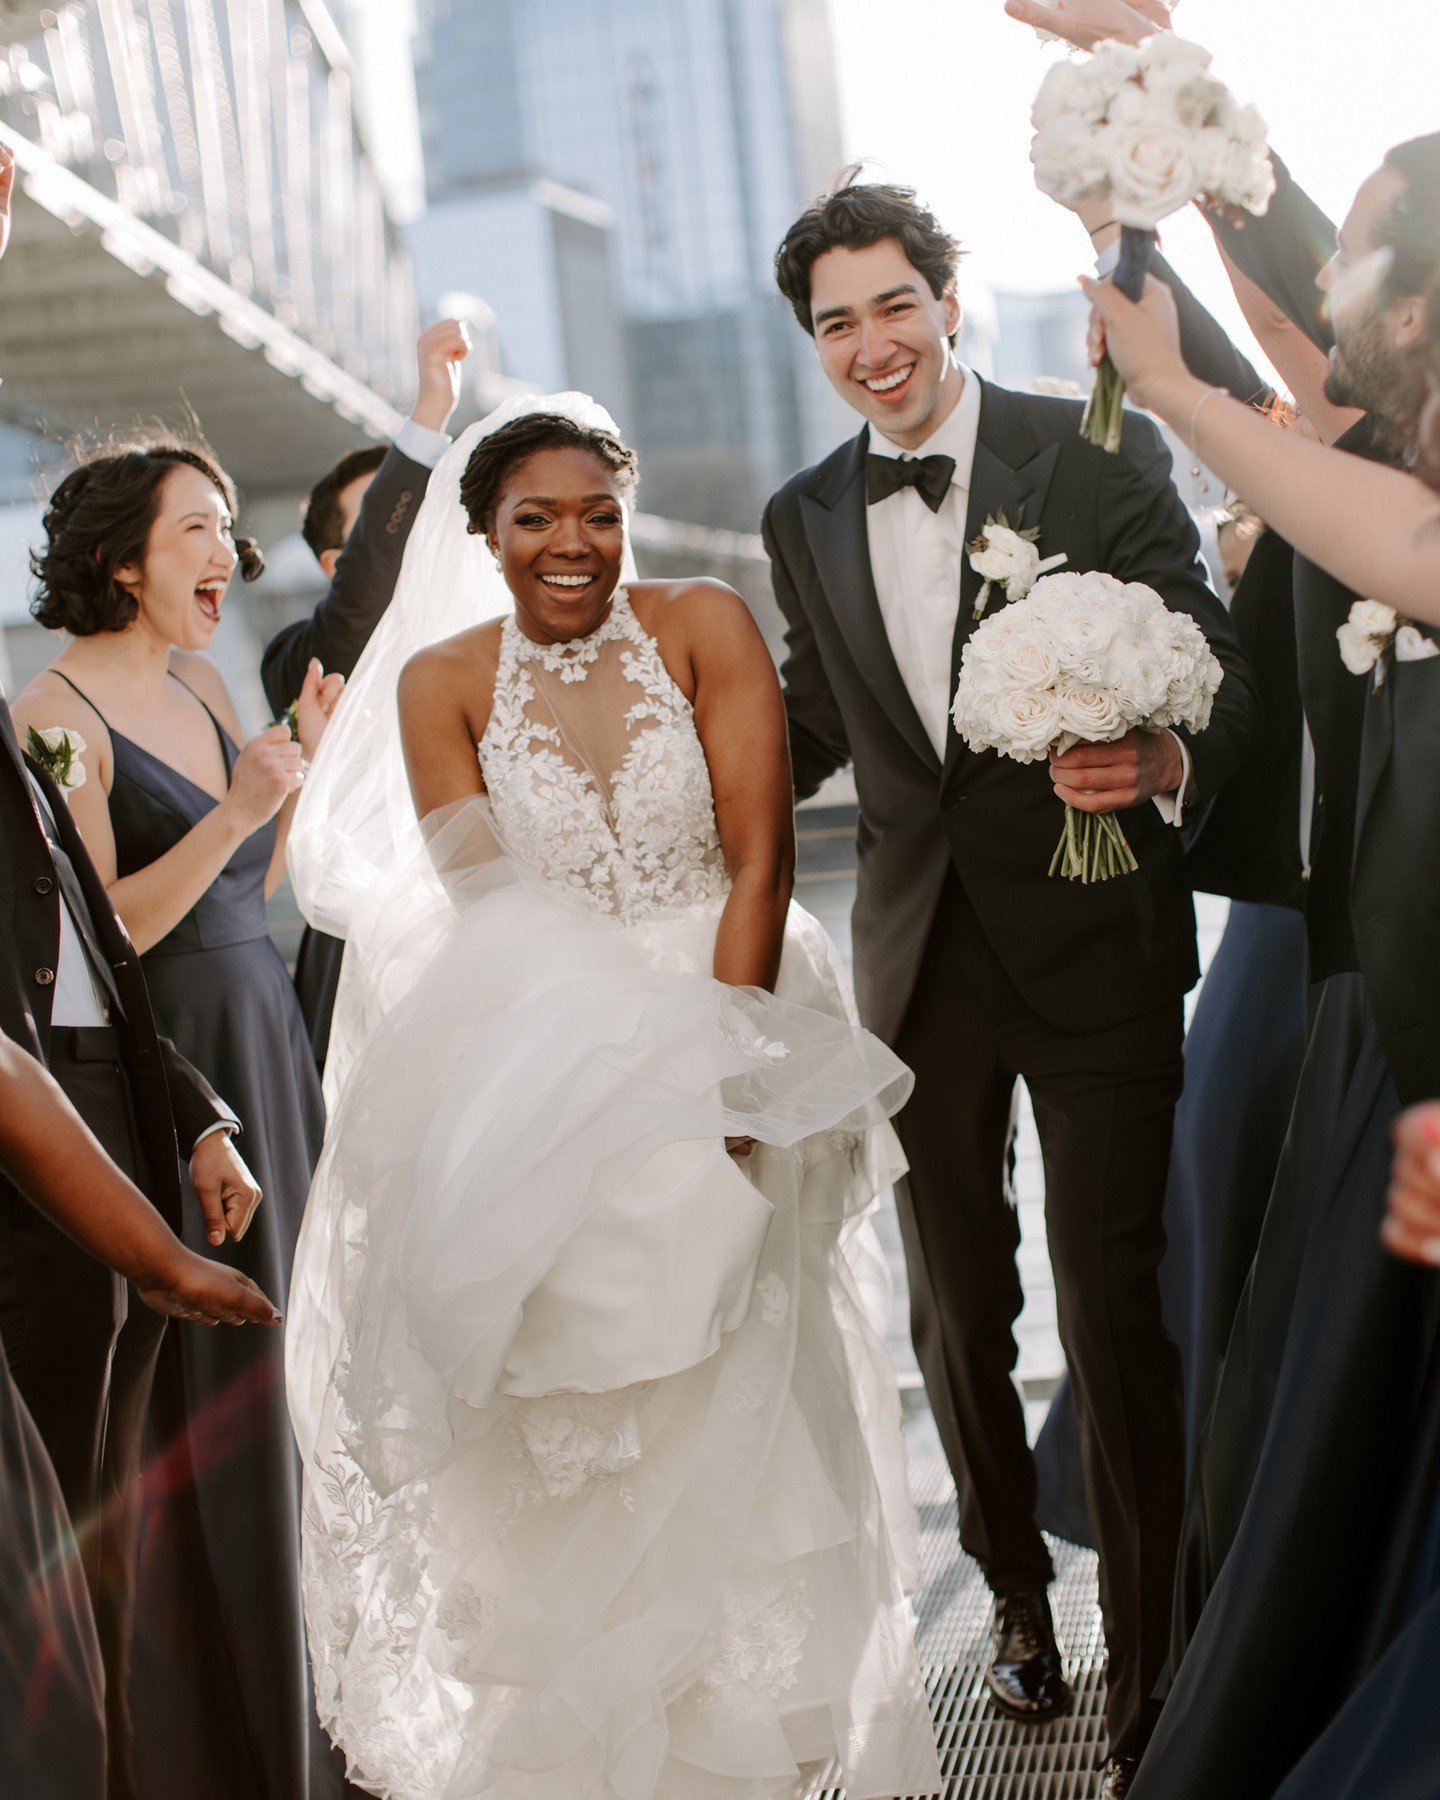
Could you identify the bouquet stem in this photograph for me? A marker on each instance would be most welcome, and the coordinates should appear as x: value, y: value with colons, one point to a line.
x: 1105, y: 413
x: 1092, y: 847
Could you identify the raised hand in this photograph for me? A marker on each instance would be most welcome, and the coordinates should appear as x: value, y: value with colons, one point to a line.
x: 319, y: 695
x: 1143, y: 341
x: 266, y: 773
x: 7, y: 188
x: 1086, y: 23
x: 439, y: 352
x: 207, y: 1293
x: 228, y: 1193
x: 1412, y: 1226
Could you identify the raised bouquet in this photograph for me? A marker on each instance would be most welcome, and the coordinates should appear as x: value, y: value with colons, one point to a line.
x: 1146, y: 129
x: 1083, y: 658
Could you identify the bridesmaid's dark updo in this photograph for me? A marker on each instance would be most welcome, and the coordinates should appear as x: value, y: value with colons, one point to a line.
x: 495, y: 456
x: 99, y: 520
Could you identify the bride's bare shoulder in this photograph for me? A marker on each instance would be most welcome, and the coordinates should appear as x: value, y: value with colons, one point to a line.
x: 694, y: 609
x: 460, y: 658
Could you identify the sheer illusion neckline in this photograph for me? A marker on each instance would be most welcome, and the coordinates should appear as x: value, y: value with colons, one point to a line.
x: 571, y: 658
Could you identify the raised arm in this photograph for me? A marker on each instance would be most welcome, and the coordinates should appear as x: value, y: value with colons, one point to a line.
x: 1310, y: 494
x: 363, y: 581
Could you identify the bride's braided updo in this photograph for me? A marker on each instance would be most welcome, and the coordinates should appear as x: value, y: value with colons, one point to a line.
x: 99, y: 519
x: 495, y: 456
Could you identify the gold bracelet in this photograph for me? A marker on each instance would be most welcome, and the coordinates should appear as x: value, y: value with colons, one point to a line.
x: 1197, y: 468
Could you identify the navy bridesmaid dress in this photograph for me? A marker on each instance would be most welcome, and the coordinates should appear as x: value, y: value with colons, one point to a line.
x: 223, y: 1703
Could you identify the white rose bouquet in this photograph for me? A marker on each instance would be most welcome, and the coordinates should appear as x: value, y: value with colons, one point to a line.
x: 1084, y: 658
x: 1148, y: 129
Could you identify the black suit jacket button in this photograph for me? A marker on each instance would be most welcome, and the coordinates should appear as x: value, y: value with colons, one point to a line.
x: 45, y: 977
x: 951, y: 802
x: 44, y: 885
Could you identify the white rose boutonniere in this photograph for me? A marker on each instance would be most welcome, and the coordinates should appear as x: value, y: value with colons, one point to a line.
x: 1369, y: 632
x: 58, y: 753
x: 1006, y: 554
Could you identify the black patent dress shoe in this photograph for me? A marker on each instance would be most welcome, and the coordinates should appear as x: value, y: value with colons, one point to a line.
x: 1025, y: 1677
x: 1119, y: 1773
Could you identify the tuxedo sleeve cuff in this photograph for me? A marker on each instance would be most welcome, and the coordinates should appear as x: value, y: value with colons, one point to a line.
x: 1171, y: 807
x: 228, y: 1126
x: 421, y: 444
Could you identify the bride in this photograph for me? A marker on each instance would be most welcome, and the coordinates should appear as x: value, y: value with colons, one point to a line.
x: 604, y: 1486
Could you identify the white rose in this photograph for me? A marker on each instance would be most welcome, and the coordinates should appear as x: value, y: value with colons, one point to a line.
x: 1030, y: 661
x: 1082, y: 629
x: 1247, y: 179
x: 1026, y: 724
x: 61, y: 743
x: 1091, y: 714
x: 1365, y: 634
x: 1152, y: 172
x: 1166, y: 60
x: 1070, y: 162
x: 1007, y: 557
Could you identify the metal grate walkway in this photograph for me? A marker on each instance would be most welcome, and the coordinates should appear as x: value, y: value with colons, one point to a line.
x: 982, y: 1755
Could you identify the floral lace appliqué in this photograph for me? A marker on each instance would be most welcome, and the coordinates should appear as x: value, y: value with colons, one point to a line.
x: 760, y: 1660
x: 653, y: 845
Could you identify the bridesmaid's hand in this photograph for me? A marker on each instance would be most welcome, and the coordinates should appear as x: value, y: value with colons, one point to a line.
x: 267, y: 771
x: 228, y: 1193
x: 319, y: 695
x: 207, y: 1293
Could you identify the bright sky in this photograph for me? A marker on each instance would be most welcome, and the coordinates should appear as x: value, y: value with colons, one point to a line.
x: 937, y: 93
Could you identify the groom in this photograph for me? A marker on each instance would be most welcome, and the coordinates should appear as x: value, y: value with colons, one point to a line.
x: 969, y: 959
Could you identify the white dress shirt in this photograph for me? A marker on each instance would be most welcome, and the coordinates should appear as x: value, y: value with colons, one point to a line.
x: 916, y: 557
x: 420, y: 443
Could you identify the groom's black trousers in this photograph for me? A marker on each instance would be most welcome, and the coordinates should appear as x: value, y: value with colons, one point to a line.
x: 1104, y: 1103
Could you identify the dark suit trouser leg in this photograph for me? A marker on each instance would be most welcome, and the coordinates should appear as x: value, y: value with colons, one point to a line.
x: 84, y: 1362
x: 1104, y: 1105
x: 1105, y: 1131
x: 961, y: 1233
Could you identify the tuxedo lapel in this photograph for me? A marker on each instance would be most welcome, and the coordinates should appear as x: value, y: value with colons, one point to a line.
x: 995, y: 487
x: 835, y: 529
x: 16, y: 757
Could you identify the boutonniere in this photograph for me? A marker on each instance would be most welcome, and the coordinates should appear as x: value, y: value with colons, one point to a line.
x: 58, y: 753
x: 1006, y: 554
x: 290, y: 718
x: 1368, y: 633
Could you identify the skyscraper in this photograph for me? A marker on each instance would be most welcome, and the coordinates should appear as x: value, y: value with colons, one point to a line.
x: 703, y: 125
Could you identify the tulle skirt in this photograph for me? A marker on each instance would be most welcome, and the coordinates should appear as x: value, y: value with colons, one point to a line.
x: 604, y: 1484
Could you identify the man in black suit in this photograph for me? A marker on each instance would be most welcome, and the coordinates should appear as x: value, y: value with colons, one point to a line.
x: 83, y: 1356
x: 977, y: 967
x: 358, y: 522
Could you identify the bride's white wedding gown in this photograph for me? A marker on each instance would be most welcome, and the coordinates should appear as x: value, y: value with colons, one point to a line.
x: 604, y: 1483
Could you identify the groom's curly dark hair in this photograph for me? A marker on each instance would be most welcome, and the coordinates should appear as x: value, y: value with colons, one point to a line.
x: 495, y: 456
x: 853, y: 215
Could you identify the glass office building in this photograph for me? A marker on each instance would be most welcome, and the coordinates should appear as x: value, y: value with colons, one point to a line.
x: 703, y: 125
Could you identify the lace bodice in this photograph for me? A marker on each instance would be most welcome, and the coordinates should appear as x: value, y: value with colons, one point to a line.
x: 595, y: 771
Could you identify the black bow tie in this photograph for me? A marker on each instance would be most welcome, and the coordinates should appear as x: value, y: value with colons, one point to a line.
x: 928, y: 475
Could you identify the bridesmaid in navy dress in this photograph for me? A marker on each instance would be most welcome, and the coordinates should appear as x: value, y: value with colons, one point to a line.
x: 188, y: 828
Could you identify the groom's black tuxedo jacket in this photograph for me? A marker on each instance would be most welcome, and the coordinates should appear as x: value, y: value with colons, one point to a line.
x: 1375, y: 847
x: 169, y: 1096
x: 1082, y: 957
